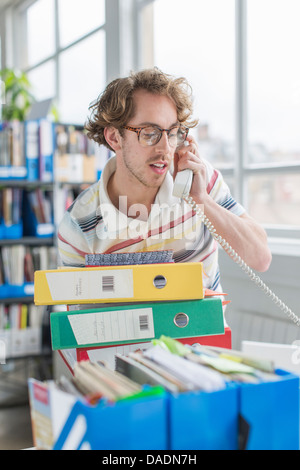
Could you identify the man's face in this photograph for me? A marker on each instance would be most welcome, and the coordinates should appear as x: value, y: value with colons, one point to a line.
x: 148, y: 166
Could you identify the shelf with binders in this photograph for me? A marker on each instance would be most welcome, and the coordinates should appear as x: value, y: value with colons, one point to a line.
x: 18, y: 262
x: 26, y: 243
x: 31, y: 195
x: 38, y: 215
x: 24, y: 349
x: 26, y: 151
x: 78, y: 163
x: 77, y: 160
x: 11, y: 226
x: 26, y: 212
x: 39, y: 150
x: 12, y: 157
x: 28, y: 215
x: 22, y: 329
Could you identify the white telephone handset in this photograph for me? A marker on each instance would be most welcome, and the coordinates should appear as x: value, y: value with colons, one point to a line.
x: 183, y: 183
x: 181, y: 189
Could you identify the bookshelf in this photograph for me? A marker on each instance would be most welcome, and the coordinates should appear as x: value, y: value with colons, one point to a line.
x: 22, y: 251
x: 24, y: 328
x: 43, y: 167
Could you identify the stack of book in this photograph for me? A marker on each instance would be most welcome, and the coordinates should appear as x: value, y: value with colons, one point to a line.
x: 77, y: 158
x: 38, y: 217
x: 26, y: 213
x: 39, y: 149
x: 11, y: 201
x: 12, y: 157
x: 17, y: 266
x: 21, y: 329
x: 115, y: 308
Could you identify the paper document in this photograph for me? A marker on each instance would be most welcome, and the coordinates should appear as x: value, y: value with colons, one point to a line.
x: 199, y: 376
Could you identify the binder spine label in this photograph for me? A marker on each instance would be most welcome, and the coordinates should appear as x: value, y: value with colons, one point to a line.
x: 80, y: 285
x: 110, y: 326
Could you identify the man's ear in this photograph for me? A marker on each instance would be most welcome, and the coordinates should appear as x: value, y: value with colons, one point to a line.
x: 112, y: 137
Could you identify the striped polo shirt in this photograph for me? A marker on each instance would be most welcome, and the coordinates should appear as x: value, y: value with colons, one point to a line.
x: 93, y: 224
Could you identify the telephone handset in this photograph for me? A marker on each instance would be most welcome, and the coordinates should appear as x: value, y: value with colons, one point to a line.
x: 183, y: 183
x: 183, y: 180
x: 181, y: 189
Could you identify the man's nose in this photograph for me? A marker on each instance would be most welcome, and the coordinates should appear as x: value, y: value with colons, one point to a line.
x: 164, y: 142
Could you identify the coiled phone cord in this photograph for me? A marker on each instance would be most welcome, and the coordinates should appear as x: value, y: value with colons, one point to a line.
x: 235, y: 256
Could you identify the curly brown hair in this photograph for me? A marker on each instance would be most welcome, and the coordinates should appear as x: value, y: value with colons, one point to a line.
x: 115, y: 107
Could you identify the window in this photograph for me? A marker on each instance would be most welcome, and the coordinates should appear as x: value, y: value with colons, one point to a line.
x: 275, y: 198
x: 80, y: 83
x: 240, y: 57
x: 197, y: 41
x: 274, y: 80
x: 76, y: 20
x: 40, y: 34
x: 64, y: 53
x: 42, y: 79
x: 274, y: 110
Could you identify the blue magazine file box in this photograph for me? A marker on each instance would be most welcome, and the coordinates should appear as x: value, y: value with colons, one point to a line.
x: 31, y: 227
x: 14, y: 231
x: 203, y: 420
x: 135, y: 424
x: 272, y: 411
x: 16, y: 291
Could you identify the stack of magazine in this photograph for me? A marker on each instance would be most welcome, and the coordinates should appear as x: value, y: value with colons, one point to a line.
x: 170, y: 364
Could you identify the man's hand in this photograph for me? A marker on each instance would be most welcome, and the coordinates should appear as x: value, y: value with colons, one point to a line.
x: 187, y: 156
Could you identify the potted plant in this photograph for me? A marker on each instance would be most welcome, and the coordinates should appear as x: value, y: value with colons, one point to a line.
x: 17, y: 97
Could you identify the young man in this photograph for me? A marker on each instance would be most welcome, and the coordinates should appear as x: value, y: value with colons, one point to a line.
x: 144, y: 119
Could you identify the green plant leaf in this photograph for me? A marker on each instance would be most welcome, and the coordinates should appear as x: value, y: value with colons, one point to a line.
x: 18, y: 96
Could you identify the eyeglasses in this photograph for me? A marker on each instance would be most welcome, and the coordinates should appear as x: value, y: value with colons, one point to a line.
x: 151, y: 135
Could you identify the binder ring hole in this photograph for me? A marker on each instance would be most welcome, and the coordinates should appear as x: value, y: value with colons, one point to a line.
x: 159, y: 281
x: 181, y: 320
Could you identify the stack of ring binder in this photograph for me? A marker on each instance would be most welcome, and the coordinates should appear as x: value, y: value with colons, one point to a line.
x: 117, y: 308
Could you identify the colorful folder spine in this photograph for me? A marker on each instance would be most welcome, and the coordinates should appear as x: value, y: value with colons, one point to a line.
x: 135, y: 283
x: 125, y: 324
